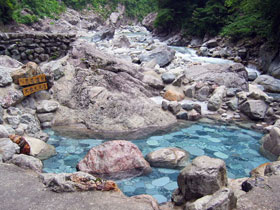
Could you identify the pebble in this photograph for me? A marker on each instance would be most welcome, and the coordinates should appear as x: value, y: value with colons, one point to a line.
x: 161, y: 181
x: 221, y: 155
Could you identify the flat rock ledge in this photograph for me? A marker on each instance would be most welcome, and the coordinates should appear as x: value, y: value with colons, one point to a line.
x: 21, y: 189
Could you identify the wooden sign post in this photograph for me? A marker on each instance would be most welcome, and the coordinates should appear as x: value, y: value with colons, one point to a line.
x: 31, y: 81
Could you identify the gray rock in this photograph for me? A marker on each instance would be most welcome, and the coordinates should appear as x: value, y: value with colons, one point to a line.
x: 168, y: 78
x: 27, y: 162
x: 252, y: 75
x: 55, y: 68
x: 269, y: 83
x: 164, y: 105
x: 42, y: 95
x: 11, y: 98
x: 182, y: 115
x: 163, y: 55
x: 122, y: 42
x: 33, y: 124
x: 67, y: 182
x: 5, y: 77
x: 148, y: 21
x: 47, y: 106
x: 39, y: 148
x: 45, y: 117
x: 211, y: 43
x: 204, y: 51
x: 242, y: 53
x: 220, y: 74
x: 231, y: 92
x: 174, y: 107
x: 216, y: 99
x: 224, y: 199
x: 254, y: 109
x: 14, y: 111
x: 8, y: 149
x: 105, y: 33
x: 233, y: 104
x: 8, y: 62
x: 153, y: 82
x: 1, y: 115
x: 272, y: 169
x: 271, y: 143
x: 109, y: 112
x: 203, y: 93
x: 187, y: 107
x: 13, y: 121
x: 194, y: 115
x: 170, y: 157
x: 178, y: 198
x: 3, y: 132
x: 11, y: 177
x: 147, y: 198
x: 190, y: 91
x: 204, y: 176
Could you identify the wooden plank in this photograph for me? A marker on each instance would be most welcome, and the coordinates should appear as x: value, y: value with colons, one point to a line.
x: 35, y: 88
x: 32, y: 80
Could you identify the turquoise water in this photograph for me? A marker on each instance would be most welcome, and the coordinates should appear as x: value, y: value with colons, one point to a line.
x: 236, y: 146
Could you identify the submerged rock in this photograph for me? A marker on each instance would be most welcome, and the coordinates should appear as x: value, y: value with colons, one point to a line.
x: 115, y: 159
x: 168, y: 158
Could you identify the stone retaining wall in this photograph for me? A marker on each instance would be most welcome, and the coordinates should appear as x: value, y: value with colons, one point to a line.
x: 26, y: 47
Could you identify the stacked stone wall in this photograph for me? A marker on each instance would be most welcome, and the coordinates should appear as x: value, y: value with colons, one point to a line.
x: 26, y: 47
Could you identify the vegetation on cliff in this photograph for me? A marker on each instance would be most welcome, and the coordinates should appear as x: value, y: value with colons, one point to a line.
x: 233, y: 18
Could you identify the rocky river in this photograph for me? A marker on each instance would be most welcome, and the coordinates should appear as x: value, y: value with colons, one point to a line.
x: 112, y: 83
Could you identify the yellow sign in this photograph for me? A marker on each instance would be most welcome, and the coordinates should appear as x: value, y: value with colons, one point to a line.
x: 32, y: 80
x: 35, y: 88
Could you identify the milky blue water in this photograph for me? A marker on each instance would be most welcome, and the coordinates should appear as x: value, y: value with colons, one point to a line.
x: 236, y: 146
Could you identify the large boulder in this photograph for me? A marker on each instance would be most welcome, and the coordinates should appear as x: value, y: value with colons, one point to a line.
x: 3, y: 132
x: 149, y: 20
x: 163, y: 55
x: 269, y: 83
x: 105, y: 33
x: 46, y: 106
x: 168, y: 158
x: 115, y: 159
x: 272, y: 169
x: 27, y: 162
x: 254, y: 109
x: 111, y: 100
x: 231, y: 76
x: 216, y: 99
x: 204, y: 176
x: 271, y: 143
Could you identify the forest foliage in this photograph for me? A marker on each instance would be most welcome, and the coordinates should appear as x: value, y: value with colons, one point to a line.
x: 28, y: 11
x: 232, y: 18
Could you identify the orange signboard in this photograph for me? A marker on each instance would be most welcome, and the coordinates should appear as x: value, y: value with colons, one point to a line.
x: 35, y: 88
x: 32, y: 80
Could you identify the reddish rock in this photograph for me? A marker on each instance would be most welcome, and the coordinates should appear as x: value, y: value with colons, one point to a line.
x: 115, y: 160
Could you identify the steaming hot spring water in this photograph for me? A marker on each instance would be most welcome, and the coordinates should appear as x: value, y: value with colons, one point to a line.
x: 236, y: 146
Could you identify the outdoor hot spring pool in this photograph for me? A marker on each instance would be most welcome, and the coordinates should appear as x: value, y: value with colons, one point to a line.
x: 236, y: 146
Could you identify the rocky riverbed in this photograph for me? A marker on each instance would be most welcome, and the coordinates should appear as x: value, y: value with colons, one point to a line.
x: 122, y: 83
